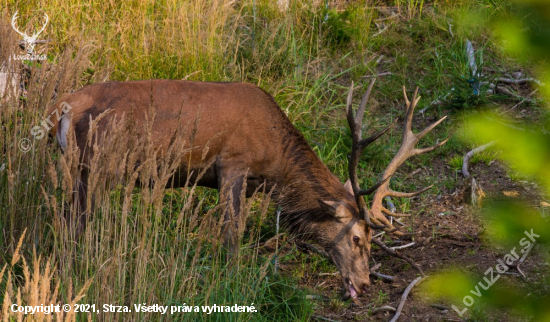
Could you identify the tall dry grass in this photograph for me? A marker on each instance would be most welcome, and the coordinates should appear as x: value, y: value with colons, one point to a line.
x: 144, y: 243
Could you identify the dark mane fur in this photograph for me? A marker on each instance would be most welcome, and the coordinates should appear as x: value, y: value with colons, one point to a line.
x: 307, y: 181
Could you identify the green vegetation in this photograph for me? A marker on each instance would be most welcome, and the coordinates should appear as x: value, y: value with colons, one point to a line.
x: 151, y: 245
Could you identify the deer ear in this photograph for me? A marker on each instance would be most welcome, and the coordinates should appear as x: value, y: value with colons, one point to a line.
x: 334, y: 208
x: 348, y: 187
x: 329, y: 206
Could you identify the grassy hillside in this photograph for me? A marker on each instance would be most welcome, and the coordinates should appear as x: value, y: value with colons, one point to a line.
x: 163, y: 246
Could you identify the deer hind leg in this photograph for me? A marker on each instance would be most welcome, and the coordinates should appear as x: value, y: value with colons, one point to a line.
x: 231, y: 187
x: 76, y: 216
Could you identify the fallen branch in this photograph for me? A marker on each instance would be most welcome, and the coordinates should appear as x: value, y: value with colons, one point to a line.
x: 322, y: 318
x: 396, y: 254
x: 383, y: 309
x: 442, y: 100
x: 470, y: 154
x: 384, y: 277
x: 378, y: 75
x: 404, y: 297
x: 519, y: 81
x: 450, y: 28
x: 380, y: 30
x: 403, y: 246
x: 527, y: 99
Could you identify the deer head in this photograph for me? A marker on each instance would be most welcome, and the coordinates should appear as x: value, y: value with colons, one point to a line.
x: 30, y: 41
x: 375, y: 217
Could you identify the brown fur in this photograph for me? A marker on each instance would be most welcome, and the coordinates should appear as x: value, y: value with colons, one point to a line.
x: 248, y: 138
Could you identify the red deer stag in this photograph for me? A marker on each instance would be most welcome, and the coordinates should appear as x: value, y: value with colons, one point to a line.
x: 251, y: 142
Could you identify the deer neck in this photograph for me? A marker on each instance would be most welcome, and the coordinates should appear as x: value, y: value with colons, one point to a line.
x: 307, y: 180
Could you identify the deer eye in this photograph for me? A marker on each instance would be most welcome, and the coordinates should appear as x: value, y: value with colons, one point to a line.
x: 356, y: 239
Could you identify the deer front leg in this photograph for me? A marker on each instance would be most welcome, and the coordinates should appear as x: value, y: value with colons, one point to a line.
x: 231, y: 187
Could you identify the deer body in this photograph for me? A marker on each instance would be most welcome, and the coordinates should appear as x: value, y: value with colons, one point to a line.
x: 242, y: 136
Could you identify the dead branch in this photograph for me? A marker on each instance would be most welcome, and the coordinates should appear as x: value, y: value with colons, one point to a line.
x: 450, y: 28
x: 396, y: 254
x: 519, y: 81
x: 322, y: 318
x: 378, y: 75
x: 404, y: 298
x: 383, y: 309
x: 403, y: 246
x: 384, y: 277
x: 440, y: 307
x: 470, y: 154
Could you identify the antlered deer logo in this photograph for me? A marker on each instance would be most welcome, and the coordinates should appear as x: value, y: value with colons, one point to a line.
x: 30, y: 41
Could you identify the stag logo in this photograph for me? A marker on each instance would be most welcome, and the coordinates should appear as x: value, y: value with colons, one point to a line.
x: 30, y: 41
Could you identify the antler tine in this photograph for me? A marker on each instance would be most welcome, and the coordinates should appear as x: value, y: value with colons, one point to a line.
x: 14, y: 23
x: 399, y: 194
x: 410, y: 110
x: 43, y: 27
x: 364, y: 100
x: 430, y: 148
x: 355, y: 124
x: 366, y: 142
x: 349, y: 111
x: 406, y: 150
x: 430, y: 127
x: 407, y: 102
x: 372, y: 189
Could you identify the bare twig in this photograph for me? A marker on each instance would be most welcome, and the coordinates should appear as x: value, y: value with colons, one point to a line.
x: 383, y: 309
x: 384, y: 277
x: 396, y: 254
x: 404, y: 298
x: 393, y: 16
x: 322, y: 318
x: 527, y: 99
x: 381, y: 31
x: 519, y: 81
x: 440, y: 307
x: 378, y: 75
x: 450, y: 28
x: 403, y: 246
x: 442, y: 100
x: 470, y: 154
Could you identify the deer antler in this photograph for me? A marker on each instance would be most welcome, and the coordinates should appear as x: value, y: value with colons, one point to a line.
x: 43, y: 27
x: 406, y: 151
x: 359, y: 144
x: 375, y: 216
x: 14, y: 25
